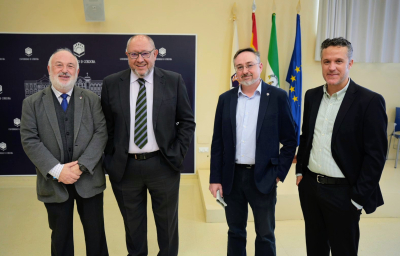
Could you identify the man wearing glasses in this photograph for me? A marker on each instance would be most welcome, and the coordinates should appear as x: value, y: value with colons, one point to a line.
x: 150, y: 126
x: 246, y: 161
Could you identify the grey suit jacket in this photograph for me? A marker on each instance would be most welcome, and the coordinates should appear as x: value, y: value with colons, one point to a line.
x: 41, y: 140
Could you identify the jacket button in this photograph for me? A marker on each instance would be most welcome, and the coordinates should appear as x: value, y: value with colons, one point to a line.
x: 67, y: 133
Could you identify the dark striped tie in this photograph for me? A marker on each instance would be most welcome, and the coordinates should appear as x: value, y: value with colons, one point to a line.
x: 141, y: 116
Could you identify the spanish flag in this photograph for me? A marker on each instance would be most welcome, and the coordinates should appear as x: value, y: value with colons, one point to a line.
x: 254, y: 44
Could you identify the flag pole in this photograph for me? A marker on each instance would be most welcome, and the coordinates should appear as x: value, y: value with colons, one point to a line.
x: 235, y: 47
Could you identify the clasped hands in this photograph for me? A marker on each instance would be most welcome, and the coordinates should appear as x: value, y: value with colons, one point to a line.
x: 70, y: 173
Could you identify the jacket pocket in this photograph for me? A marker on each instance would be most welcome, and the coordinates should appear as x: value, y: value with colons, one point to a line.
x: 275, y: 161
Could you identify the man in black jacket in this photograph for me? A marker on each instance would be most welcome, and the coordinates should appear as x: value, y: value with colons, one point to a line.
x: 341, y: 155
x: 150, y: 126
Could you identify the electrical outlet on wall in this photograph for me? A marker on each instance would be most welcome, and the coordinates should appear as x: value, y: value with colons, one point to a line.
x: 203, y: 149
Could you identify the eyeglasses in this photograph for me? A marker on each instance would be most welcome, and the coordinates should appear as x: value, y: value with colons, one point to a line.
x: 145, y: 54
x: 240, y: 68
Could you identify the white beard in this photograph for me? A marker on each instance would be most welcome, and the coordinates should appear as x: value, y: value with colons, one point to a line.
x: 248, y: 83
x: 63, y: 86
x: 144, y: 75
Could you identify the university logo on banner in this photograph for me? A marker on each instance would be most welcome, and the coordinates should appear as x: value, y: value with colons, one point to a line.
x: 79, y: 49
x: 28, y: 51
x: 162, y: 51
x: 17, y: 122
x: 3, y: 146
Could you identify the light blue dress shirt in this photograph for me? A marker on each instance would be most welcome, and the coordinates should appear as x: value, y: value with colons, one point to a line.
x: 246, y: 126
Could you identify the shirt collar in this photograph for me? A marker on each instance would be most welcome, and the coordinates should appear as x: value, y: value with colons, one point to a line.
x: 149, y: 78
x: 257, y: 90
x: 58, y: 93
x: 340, y: 94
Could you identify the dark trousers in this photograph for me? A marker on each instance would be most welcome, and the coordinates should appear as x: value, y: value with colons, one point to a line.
x: 61, y: 223
x: 331, y: 220
x: 244, y: 192
x: 155, y: 175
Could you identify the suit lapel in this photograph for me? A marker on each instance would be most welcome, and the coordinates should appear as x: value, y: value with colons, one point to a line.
x: 48, y: 103
x: 158, y: 92
x: 344, y: 107
x: 264, y: 100
x: 78, y: 109
x: 233, y: 106
x: 316, y: 102
x: 124, y: 91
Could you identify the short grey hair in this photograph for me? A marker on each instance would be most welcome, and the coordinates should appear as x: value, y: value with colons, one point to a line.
x: 146, y: 36
x: 338, y: 41
x: 256, y: 53
x: 63, y: 50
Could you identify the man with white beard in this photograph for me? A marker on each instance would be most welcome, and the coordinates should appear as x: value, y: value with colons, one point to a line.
x: 247, y: 162
x: 63, y: 132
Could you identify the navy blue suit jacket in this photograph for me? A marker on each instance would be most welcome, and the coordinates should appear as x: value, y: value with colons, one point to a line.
x: 274, y: 126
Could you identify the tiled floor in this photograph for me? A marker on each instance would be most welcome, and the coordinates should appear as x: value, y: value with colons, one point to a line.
x: 24, y: 228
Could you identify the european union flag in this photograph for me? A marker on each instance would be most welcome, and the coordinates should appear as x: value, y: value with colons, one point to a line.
x: 294, y: 78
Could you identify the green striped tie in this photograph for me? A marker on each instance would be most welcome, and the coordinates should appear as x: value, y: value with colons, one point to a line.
x: 141, y: 116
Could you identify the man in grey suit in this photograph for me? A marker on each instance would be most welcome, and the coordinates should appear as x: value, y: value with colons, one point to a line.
x: 150, y: 126
x: 63, y: 132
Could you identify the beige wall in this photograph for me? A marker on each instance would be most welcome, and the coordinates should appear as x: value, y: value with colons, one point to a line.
x: 211, y: 21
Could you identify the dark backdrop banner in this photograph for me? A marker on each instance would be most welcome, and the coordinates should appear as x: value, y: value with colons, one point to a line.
x: 23, y: 71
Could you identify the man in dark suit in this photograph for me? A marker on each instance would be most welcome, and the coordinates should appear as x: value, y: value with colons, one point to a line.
x: 246, y: 161
x: 63, y: 132
x: 341, y: 155
x: 150, y: 126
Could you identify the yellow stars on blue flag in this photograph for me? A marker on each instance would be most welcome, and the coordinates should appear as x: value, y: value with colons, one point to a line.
x: 295, y: 79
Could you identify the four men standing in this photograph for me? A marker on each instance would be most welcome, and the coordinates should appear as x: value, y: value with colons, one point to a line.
x: 150, y: 126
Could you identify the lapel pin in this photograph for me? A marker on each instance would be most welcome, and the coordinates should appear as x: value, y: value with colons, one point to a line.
x: 80, y: 97
x: 267, y: 93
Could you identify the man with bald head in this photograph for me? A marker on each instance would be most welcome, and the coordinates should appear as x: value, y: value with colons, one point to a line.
x: 63, y: 132
x: 150, y: 126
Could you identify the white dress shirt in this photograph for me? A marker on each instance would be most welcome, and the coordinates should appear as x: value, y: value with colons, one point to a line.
x: 134, y: 91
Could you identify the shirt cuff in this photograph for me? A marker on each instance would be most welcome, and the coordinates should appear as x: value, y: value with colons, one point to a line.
x: 359, y: 207
x: 56, y: 170
x: 299, y: 174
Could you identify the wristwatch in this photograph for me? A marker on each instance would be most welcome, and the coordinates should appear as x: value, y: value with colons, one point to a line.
x: 83, y: 168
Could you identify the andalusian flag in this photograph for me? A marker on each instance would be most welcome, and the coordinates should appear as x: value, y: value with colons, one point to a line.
x: 272, y: 72
x: 294, y: 78
x: 254, y: 43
